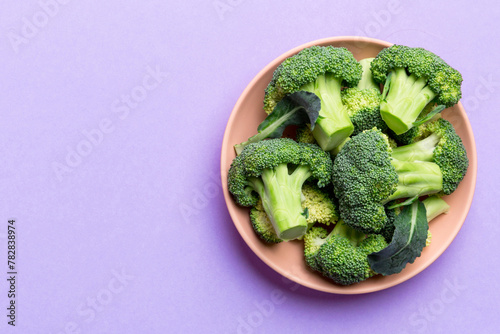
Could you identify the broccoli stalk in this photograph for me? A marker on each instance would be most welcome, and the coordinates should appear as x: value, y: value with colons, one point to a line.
x: 282, y: 199
x: 333, y: 125
x: 404, y: 98
x: 416, y: 178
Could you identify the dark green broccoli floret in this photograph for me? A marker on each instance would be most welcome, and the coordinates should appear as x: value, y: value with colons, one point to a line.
x: 413, y: 78
x: 366, y: 176
x: 363, y: 179
x: 322, y: 70
x: 343, y: 254
x: 275, y: 170
x: 262, y: 225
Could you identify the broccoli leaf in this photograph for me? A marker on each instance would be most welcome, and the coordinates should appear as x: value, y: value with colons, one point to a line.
x: 295, y: 109
x: 407, y: 243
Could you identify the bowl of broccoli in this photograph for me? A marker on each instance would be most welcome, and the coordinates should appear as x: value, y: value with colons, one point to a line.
x: 348, y: 164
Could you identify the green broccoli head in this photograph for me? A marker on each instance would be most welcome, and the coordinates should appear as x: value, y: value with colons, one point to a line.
x: 324, y: 71
x: 342, y: 255
x: 275, y: 170
x: 413, y: 78
x: 363, y: 178
x: 363, y: 107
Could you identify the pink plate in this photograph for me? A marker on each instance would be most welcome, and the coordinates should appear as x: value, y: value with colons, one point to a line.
x: 287, y: 257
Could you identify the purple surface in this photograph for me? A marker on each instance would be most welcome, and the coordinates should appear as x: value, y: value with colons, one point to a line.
x: 133, y: 235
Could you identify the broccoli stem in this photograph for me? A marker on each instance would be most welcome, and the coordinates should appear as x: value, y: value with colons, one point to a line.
x: 435, y: 206
x: 422, y: 150
x: 416, y: 178
x: 404, y: 98
x: 341, y: 229
x: 281, y: 194
x: 333, y: 125
x: 366, y: 81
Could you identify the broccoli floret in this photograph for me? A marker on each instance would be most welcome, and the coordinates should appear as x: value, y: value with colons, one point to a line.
x: 320, y: 206
x: 275, y: 170
x: 434, y: 206
x: 413, y: 78
x: 366, y: 176
x: 322, y: 70
x: 438, y: 142
x: 342, y: 255
x: 262, y: 225
x: 313, y: 240
x: 304, y: 135
x: 363, y: 107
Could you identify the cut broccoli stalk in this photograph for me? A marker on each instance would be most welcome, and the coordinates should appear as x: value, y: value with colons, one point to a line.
x: 282, y: 199
x: 435, y: 206
x: 416, y: 178
x: 404, y: 98
x: 333, y: 125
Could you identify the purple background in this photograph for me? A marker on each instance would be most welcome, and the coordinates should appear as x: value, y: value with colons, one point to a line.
x: 138, y: 227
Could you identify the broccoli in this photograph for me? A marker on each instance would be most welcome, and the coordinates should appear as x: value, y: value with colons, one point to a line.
x: 413, y: 78
x: 322, y: 70
x: 341, y: 255
x: 262, y: 225
x: 438, y: 142
x: 363, y: 102
x: 366, y: 176
x: 434, y: 206
x: 275, y: 170
x: 321, y: 207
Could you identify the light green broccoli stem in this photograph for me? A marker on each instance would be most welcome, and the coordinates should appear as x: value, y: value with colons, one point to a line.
x: 281, y: 198
x: 341, y: 229
x: 416, y: 179
x: 366, y: 81
x: 404, y: 98
x: 333, y: 125
x: 422, y: 150
x: 434, y: 206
